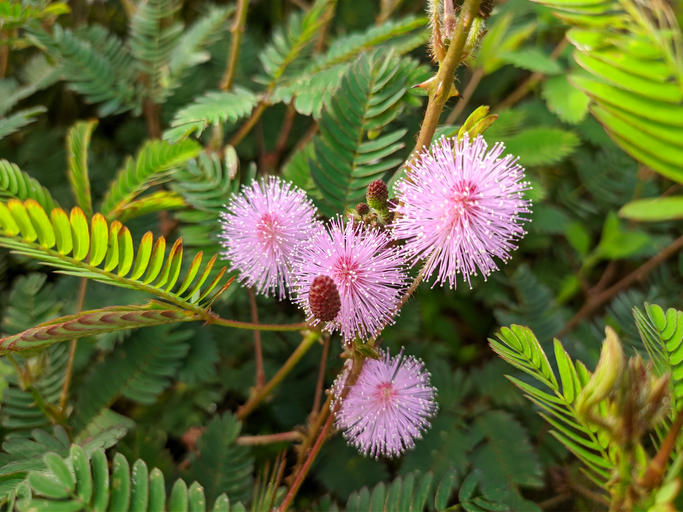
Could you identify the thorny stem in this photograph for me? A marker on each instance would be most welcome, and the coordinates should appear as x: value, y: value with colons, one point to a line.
x: 466, y: 96
x: 598, y: 300
x: 282, y: 437
x: 446, y: 74
x: 258, y: 353
x: 260, y: 393
x: 531, y: 82
x: 655, y: 470
x: 237, y: 30
x: 63, y: 397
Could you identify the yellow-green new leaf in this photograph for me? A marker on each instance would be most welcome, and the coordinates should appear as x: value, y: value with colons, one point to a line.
x: 654, y: 209
x: 77, y: 143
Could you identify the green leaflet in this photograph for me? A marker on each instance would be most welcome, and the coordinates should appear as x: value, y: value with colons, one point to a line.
x: 16, y: 183
x: 83, y: 480
x: 105, y: 252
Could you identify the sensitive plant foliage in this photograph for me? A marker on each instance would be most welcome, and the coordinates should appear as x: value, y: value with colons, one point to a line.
x: 460, y: 207
x: 388, y: 407
x: 369, y: 274
x: 297, y: 146
x: 261, y: 230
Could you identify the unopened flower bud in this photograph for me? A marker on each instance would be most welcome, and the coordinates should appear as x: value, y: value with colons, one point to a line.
x: 377, y: 195
x: 362, y: 209
x: 485, y: 8
x: 610, y: 368
x: 323, y: 297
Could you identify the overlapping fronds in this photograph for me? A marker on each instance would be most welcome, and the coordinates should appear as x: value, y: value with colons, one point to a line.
x: 633, y: 60
x: 139, y: 369
x: 411, y: 492
x: 662, y: 335
x: 96, y: 64
x: 77, y: 143
x: 80, y: 481
x: 152, y: 38
x: 213, y: 108
x: 518, y: 346
x: 17, y: 184
x: 96, y: 321
x: 352, y: 149
x: 155, y: 202
x: 205, y: 183
x: 97, y: 250
x: 150, y: 167
x: 19, y: 119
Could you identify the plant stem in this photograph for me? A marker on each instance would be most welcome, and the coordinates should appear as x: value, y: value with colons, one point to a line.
x: 527, y: 85
x: 260, y: 393
x: 476, y: 77
x: 307, y: 465
x: 446, y: 74
x: 258, y: 354
x: 281, y: 437
x: 249, y: 326
x: 321, y: 374
x: 638, y: 274
x: 63, y: 397
x: 237, y: 30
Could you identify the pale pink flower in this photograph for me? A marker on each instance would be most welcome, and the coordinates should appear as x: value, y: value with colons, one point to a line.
x: 461, y: 207
x: 388, y: 407
x: 260, y: 230
x: 369, y: 274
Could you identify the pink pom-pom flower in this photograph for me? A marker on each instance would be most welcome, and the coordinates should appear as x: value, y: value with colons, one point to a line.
x: 260, y: 230
x: 388, y: 407
x: 369, y: 275
x: 460, y: 207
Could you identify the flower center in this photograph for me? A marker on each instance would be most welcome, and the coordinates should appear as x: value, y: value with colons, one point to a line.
x: 346, y: 271
x: 464, y: 197
x: 385, y: 393
x: 268, y: 229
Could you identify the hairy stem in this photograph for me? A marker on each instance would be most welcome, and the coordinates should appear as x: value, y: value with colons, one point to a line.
x: 282, y: 437
x: 237, y: 30
x: 64, y: 396
x: 446, y: 74
x: 466, y: 96
x: 258, y: 353
x: 259, y: 394
x: 594, y: 302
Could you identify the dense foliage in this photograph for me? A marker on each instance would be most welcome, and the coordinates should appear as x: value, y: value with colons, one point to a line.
x: 138, y: 372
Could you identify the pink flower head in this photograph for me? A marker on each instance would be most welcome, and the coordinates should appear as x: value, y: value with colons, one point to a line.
x: 460, y: 207
x: 369, y: 275
x: 388, y: 407
x: 260, y: 229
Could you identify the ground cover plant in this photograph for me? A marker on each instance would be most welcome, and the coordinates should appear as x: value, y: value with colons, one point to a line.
x: 341, y: 255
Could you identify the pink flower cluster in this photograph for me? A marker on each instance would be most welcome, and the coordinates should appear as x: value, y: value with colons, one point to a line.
x: 458, y: 211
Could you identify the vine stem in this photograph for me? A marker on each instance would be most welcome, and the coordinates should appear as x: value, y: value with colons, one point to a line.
x: 260, y: 393
x: 258, y: 353
x: 237, y: 30
x: 598, y: 300
x: 64, y: 395
x: 446, y: 74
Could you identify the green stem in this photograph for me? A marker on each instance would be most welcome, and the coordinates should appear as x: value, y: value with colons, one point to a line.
x: 237, y: 30
x: 250, y: 326
x: 259, y: 394
x: 63, y: 397
x: 446, y: 74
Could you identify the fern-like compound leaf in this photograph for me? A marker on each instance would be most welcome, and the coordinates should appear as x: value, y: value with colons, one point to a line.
x: 87, y: 481
x: 95, y: 249
x: 77, y: 143
x: 19, y: 119
x: 151, y: 166
x: 353, y: 149
x: 518, y: 346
